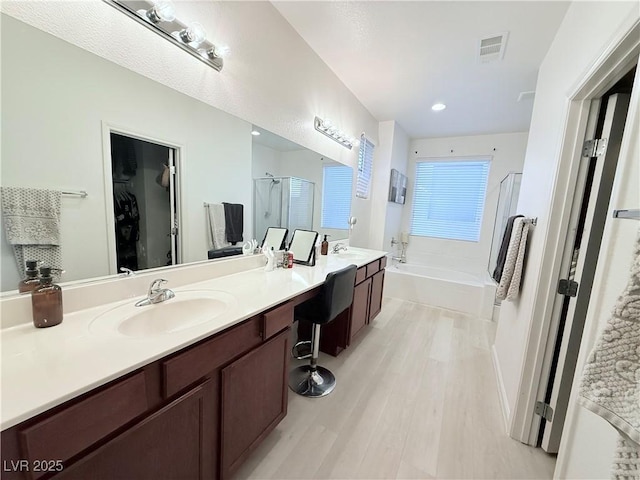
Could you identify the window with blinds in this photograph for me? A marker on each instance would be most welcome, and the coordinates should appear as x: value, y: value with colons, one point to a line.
x: 448, y: 199
x: 336, y: 196
x: 365, y: 167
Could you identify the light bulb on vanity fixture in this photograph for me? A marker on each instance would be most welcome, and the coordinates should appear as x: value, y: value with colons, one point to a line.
x: 328, y: 128
x: 438, y: 107
x: 160, y: 17
x: 193, y: 35
x: 162, y: 11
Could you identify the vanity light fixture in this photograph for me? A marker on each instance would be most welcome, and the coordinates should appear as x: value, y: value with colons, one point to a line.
x: 160, y: 17
x: 327, y: 128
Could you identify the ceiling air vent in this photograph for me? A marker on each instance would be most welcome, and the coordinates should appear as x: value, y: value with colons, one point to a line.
x: 492, y: 48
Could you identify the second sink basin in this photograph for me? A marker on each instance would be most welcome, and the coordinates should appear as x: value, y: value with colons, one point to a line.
x: 186, y: 310
x: 348, y: 255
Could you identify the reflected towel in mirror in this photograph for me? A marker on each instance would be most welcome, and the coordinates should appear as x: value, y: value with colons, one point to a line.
x: 32, y: 225
x: 216, y: 226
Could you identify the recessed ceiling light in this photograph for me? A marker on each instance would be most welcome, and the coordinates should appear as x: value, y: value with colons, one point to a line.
x: 438, y: 106
x: 255, y: 132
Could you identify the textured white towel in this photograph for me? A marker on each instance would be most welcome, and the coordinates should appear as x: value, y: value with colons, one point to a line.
x: 509, y: 286
x: 610, y: 384
x: 216, y: 226
x: 32, y: 225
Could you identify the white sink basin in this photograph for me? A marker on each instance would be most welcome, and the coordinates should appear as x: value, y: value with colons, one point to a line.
x: 186, y: 310
x: 347, y: 255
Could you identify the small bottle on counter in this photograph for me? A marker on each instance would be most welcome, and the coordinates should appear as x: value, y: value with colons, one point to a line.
x: 289, y: 259
x: 30, y: 281
x: 46, y: 301
x: 324, y: 247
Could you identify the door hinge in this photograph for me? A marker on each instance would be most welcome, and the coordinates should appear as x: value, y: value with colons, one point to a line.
x: 544, y: 410
x: 174, y: 230
x: 172, y: 170
x: 594, y: 148
x: 568, y: 288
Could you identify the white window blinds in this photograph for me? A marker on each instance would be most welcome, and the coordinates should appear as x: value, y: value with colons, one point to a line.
x: 365, y: 167
x: 448, y: 199
x: 336, y: 196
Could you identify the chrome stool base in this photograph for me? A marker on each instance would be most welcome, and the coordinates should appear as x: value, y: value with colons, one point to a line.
x: 296, y: 350
x: 310, y: 382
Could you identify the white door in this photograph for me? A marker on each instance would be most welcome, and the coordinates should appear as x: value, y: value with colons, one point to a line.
x: 589, y: 213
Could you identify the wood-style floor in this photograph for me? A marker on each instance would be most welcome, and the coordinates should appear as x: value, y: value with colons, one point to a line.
x: 416, y: 398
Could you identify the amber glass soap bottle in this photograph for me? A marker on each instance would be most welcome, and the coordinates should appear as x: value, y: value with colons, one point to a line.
x: 46, y: 301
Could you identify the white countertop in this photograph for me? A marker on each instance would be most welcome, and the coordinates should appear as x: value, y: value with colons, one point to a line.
x: 42, y: 368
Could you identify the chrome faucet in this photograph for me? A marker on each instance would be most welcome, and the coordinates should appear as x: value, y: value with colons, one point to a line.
x: 127, y: 271
x: 156, y: 294
x: 337, y: 247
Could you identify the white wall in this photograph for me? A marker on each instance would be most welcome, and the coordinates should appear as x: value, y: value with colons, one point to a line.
x: 386, y: 217
x: 54, y: 140
x: 507, y: 155
x: 587, y: 31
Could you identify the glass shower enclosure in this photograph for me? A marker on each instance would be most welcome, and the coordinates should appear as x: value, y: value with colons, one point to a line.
x: 507, y: 204
x: 285, y: 202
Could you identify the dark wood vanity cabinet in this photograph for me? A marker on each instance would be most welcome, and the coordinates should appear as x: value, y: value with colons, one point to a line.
x: 360, y: 307
x: 367, y: 303
x: 195, y: 414
x: 174, y: 442
x: 254, y: 400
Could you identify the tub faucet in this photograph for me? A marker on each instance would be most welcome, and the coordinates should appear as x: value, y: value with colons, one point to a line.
x: 400, y: 259
x: 156, y: 294
x: 127, y: 271
x: 337, y: 247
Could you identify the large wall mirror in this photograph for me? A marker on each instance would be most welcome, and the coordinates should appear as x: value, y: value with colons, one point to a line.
x: 73, y: 121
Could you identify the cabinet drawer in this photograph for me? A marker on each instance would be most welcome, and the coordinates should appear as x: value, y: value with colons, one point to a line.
x: 383, y: 262
x: 73, y: 429
x: 373, y: 267
x: 361, y: 274
x: 277, y: 319
x: 185, y: 368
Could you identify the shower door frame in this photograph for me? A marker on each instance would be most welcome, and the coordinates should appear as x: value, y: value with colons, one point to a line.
x: 177, y: 215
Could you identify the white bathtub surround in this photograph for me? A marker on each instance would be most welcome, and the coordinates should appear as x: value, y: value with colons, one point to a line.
x: 439, y: 287
x: 42, y: 368
x: 509, y: 286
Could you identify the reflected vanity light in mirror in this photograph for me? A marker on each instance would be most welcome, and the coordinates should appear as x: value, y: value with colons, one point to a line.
x: 160, y: 17
x: 303, y: 246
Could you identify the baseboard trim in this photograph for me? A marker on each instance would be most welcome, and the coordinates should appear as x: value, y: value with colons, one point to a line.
x: 502, y: 393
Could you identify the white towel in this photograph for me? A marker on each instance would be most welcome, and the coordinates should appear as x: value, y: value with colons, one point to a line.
x: 509, y: 286
x: 610, y: 385
x: 216, y: 226
x: 32, y: 225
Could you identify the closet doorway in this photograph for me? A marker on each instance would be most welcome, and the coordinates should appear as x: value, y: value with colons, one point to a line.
x: 144, y: 185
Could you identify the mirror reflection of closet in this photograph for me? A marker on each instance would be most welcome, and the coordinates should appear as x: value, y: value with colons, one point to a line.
x: 144, y: 203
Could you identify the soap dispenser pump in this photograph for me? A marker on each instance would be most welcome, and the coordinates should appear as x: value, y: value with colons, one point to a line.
x: 324, y: 247
x: 46, y: 301
x: 30, y: 282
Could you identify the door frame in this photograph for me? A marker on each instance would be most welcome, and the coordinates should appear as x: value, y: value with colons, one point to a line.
x: 612, y: 64
x: 180, y: 153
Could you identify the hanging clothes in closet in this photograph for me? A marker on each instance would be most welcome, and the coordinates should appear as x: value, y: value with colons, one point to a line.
x: 127, y: 218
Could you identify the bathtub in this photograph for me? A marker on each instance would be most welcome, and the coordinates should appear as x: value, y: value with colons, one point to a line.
x: 460, y: 291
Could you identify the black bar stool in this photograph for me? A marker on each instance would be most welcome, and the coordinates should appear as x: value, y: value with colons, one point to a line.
x: 336, y: 296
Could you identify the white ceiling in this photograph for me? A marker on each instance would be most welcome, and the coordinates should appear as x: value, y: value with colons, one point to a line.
x: 399, y: 58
